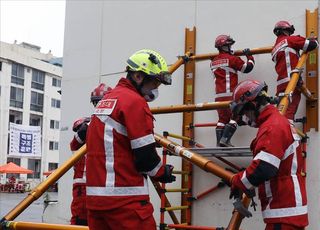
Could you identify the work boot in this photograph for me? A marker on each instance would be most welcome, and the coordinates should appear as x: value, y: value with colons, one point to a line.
x: 228, y: 132
x: 219, y: 132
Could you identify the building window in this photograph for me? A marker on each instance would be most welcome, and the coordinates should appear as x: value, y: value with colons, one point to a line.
x: 54, y: 124
x: 35, y: 166
x: 16, y: 97
x: 15, y: 117
x: 52, y: 166
x: 56, y: 82
x: 55, y: 103
x: 37, y: 79
x: 53, y: 145
x: 17, y: 74
x: 35, y: 120
x: 36, y: 101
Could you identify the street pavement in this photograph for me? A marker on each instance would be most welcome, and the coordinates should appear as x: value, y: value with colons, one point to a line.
x: 32, y: 214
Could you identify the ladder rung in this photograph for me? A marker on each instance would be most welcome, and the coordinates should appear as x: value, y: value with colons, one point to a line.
x: 180, y: 172
x: 176, y: 190
x: 176, y: 208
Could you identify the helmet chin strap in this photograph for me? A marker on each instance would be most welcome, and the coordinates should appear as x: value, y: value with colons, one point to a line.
x: 227, y: 49
x: 138, y: 87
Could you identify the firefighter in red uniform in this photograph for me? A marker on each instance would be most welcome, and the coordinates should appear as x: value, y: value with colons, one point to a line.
x: 277, y: 160
x: 285, y: 54
x: 224, y: 68
x: 78, y: 205
x: 121, y: 149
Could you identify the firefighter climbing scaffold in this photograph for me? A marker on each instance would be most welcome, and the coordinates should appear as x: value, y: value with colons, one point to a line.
x: 249, y: 99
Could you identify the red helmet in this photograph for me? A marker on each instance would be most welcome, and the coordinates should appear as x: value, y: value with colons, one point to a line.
x: 98, y: 93
x: 281, y: 26
x: 223, y: 40
x: 246, y: 91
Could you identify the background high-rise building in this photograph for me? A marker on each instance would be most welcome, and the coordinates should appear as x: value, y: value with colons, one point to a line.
x: 30, y: 95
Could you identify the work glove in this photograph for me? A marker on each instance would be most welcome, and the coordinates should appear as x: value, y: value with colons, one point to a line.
x: 77, y: 124
x: 167, y: 177
x: 237, y: 188
x: 247, y: 52
x: 82, y: 132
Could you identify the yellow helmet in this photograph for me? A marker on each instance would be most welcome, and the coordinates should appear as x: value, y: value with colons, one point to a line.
x: 151, y: 63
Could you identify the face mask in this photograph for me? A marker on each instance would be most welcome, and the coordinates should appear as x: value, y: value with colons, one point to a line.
x: 248, y: 121
x: 152, y: 95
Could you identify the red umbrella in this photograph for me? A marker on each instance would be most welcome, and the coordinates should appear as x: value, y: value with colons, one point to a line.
x: 47, y: 173
x: 13, y: 168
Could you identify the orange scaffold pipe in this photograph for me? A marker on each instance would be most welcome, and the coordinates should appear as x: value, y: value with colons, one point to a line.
x: 283, y: 105
x: 191, y: 107
x: 262, y: 50
x: 208, y: 166
x: 203, y: 57
x: 236, y: 218
x: 41, y: 226
x: 42, y: 187
x: 194, y: 158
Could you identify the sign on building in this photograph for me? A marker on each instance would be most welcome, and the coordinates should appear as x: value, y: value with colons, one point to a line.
x: 25, y: 140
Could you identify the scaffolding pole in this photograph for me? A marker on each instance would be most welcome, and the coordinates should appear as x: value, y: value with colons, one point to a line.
x: 42, y: 187
x: 41, y: 226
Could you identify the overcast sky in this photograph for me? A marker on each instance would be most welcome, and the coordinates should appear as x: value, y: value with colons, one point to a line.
x: 39, y: 22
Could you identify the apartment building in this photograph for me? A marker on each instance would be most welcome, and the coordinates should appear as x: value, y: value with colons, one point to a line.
x: 30, y: 95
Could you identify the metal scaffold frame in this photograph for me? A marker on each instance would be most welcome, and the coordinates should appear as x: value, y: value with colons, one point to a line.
x: 190, y: 156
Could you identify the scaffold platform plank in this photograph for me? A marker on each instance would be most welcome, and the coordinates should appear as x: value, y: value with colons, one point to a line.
x: 224, y: 151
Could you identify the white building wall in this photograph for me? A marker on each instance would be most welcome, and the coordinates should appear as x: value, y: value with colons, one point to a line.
x: 36, y: 60
x: 97, y: 46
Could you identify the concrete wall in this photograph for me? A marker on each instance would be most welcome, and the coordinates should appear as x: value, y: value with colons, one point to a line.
x: 99, y: 37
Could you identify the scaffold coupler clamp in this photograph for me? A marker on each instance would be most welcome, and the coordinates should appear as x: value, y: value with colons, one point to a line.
x: 163, y: 226
x: 4, y: 224
x: 185, y: 58
x: 283, y: 94
x: 238, y: 205
x: 297, y: 70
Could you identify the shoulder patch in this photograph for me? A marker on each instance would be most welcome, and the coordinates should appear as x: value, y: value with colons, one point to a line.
x: 219, y: 63
x: 105, y: 107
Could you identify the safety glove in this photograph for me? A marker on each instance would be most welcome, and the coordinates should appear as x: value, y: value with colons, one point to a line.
x: 247, y: 52
x: 167, y: 177
x: 82, y: 132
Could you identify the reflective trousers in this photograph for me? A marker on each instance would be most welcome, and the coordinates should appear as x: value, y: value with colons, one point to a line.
x: 137, y: 215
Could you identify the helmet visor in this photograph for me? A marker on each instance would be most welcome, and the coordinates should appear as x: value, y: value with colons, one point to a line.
x: 164, y: 78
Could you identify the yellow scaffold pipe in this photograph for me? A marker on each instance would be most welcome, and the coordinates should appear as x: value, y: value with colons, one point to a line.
x: 191, y: 107
x: 41, y: 226
x: 42, y: 187
x: 283, y: 105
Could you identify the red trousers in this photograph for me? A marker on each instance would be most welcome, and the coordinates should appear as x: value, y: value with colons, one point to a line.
x: 294, y: 104
x: 224, y: 114
x: 78, y: 205
x: 282, y: 227
x: 133, y: 216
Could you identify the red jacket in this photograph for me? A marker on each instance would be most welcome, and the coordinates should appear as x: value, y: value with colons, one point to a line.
x: 285, y: 54
x: 121, y: 123
x: 224, y: 68
x: 283, y: 197
x: 79, y: 176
